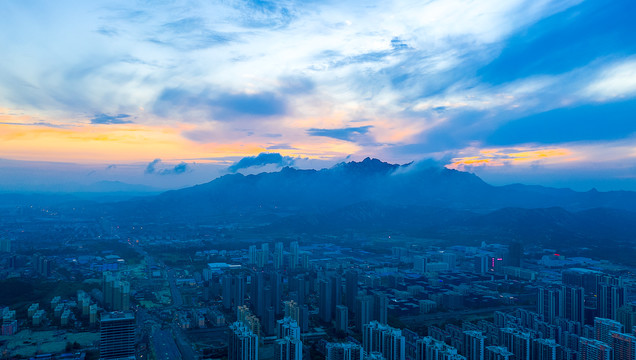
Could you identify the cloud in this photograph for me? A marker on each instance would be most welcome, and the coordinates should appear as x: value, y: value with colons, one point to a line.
x: 262, y: 105
x: 425, y: 78
x: 281, y: 147
x: 104, y: 119
x: 260, y: 160
x: 178, y: 169
x: 564, y: 41
x: 509, y: 156
x: 190, y: 33
x: 46, y: 124
x: 617, y: 81
x: 347, y: 134
x: 264, y: 14
x: 295, y: 85
x: 157, y: 167
x: 150, y: 169
x: 221, y: 106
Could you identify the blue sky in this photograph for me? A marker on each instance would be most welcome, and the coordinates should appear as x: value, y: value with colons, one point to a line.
x: 540, y: 92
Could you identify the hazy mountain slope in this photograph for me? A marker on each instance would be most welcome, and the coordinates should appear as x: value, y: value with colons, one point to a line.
x: 292, y: 191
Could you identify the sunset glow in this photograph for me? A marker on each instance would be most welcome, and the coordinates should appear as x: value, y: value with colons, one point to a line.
x: 484, y: 88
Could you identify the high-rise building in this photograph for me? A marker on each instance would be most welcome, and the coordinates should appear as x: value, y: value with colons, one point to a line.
x: 117, y: 335
x: 288, y: 348
x: 298, y: 285
x: 603, y: 327
x: 336, y: 292
x: 517, y: 342
x: 590, y: 349
x: 274, y: 280
x: 624, y: 346
x: 92, y: 315
x: 287, y: 327
x: 242, y: 343
x: 41, y: 265
x: 380, y: 307
x: 428, y: 348
x: 265, y: 248
x: 544, y: 349
x: 291, y: 310
x: 450, y: 259
x: 515, y: 253
x: 108, y: 289
x: 325, y: 300
x: 270, y: 321
x: 83, y: 302
x: 251, y: 253
x: 304, y: 318
x: 249, y: 320
x: 342, y: 318
x: 260, y: 258
x: 474, y: 345
x: 498, y: 353
x: 278, y: 255
x: 226, y: 291
x: 351, y: 292
x: 626, y: 315
x: 610, y: 299
x: 303, y: 259
x: 344, y: 351
x: 364, y: 310
x: 233, y: 290
x: 384, y: 339
x: 116, y: 292
x: 585, y: 278
x: 293, y: 255
x: 573, y: 303
x: 549, y: 303
x: 481, y: 264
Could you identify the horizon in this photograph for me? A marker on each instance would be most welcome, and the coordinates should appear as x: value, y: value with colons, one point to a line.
x: 518, y: 92
x: 245, y: 167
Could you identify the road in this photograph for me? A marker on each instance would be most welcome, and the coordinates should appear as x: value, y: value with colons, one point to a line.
x: 177, y: 300
x: 168, y: 343
x: 165, y: 346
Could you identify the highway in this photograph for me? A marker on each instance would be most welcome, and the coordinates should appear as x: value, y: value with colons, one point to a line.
x: 165, y: 346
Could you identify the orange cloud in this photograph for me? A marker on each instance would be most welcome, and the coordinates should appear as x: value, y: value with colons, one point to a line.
x: 22, y: 138
x: 511, y: 156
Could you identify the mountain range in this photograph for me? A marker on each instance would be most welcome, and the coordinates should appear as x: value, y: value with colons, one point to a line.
x: 372, y: 195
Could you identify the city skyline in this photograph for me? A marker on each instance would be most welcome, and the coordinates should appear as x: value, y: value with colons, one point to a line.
x: 534, y: 92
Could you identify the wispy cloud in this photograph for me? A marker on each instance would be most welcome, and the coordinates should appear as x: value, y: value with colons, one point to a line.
x: 616, y: 81
x: 347, y: 134
x: 219, y: 106
x: 261, y: 160
x: 105, y: 119
x: 157, y: 167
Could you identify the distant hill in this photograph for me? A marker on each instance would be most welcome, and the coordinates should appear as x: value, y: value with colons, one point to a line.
x: 301, y: 191
x: 372, y: 195
x: 102, y: 191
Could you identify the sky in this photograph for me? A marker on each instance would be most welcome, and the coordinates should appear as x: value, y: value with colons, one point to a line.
x: 174, y: 93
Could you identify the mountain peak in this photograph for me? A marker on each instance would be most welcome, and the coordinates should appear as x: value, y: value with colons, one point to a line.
x: 367, y: 166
